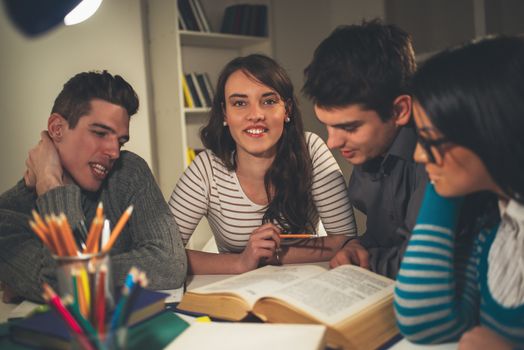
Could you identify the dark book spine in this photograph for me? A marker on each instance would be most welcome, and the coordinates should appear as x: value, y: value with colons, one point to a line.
x: 245, y: 21
x: 227, y: 20
x: 209, y: 86
x: 187, y: 14
x: 192, y: 89
x: 261, y: 20
x: 201, y: 80
x: 237, y: 20
x: 202, y: 15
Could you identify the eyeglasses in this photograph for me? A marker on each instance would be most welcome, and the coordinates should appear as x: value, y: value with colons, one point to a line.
x: 431, y: 146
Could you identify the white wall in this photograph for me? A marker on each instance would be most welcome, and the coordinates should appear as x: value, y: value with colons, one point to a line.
x: 32, y: 72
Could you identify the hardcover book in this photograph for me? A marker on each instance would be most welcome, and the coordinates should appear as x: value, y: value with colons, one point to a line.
x: 47, y: 329
x: 353, y: 303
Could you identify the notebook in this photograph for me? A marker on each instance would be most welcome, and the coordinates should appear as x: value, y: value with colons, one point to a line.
x: 252, y: 336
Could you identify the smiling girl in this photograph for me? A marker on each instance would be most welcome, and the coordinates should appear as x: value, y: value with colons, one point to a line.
x: 260, y: 176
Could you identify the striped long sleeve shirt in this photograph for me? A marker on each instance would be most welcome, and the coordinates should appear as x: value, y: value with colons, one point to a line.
x: 442, y: 288
x: 208, y: 189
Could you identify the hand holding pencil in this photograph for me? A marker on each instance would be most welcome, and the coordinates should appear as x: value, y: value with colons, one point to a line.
x: 298, y: 235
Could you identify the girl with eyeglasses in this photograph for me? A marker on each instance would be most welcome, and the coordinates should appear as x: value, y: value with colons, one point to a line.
x: 462, y: 275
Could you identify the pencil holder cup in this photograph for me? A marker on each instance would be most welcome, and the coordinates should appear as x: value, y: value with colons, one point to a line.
x: 86, y: 287
x: 88, y: 281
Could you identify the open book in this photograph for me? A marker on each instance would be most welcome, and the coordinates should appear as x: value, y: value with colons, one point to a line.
x: 355, y: 304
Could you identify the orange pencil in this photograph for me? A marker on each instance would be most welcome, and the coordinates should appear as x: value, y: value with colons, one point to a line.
x: 40, y: 234
x: 54, y: 235
x: 100, y: 210
x: 94, y: 235
x: 39, y: 222
x: 297, y: 235
x: 67, y: 235
x: 118, y: 229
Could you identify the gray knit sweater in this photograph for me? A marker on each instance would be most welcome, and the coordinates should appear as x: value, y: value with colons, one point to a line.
x: 150, y: 240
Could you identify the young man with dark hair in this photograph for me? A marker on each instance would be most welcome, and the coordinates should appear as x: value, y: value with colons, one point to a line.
x: 358, y: 81
x: 77, y: 164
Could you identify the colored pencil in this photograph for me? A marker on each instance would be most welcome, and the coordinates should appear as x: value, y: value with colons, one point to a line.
x: 40, y: 222
x: 84, y: 324
x: 55, y: 302
x: 100, y: 210
x: 67, y: 235
x: 297, y: 235
x: 43, y: 237
x: 55, y: 236
x: 118, y: 229
x: 93, y: 237
x: 100, y: 313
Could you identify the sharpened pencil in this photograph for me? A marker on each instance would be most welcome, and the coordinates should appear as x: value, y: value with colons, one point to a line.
x: 118, y: 229
x: 297, y: 235
x: 37, y: 230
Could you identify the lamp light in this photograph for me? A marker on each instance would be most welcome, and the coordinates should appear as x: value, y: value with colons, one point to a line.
x: 34, y: 17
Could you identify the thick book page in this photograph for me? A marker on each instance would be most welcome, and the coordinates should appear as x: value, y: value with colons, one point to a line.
x: 334, y: 295
x: 254, y: 284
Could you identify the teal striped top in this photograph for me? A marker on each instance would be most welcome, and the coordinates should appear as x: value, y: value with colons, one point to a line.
x: 441, y: 288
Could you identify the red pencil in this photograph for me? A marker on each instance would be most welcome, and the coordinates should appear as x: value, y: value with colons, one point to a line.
x: 55, y: 302
x: 100, y: 313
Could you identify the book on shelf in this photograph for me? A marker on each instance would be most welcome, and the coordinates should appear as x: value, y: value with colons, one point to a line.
x: 203, y: 88
x: 47, y: 329
x: 209, y: 86
x: 198, y: 90
x: 184, y: 8
x: 193, y: 16
x: 245, y: 19
x: 356, y: 305
x: 188, y: 100
x: 197, y: 8
x: 192, y: 89
x: 181, y: 22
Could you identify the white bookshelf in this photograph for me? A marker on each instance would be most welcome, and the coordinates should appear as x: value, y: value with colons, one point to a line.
x: 171, y: 53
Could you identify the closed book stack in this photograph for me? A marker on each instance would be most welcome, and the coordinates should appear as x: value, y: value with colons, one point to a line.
x: 192, y: 16
x: 149, y: 325
x: 197, y: 90
x: 245, y: 19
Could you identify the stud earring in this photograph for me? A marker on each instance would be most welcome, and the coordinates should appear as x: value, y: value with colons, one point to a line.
x: 224, y: 123
x: 287, y: 120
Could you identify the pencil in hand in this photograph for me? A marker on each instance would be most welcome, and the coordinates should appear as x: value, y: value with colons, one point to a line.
x: 297, y: 235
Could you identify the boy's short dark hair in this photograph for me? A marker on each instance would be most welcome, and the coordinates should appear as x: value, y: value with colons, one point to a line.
x: 369, y: 64
x: 75, y: 98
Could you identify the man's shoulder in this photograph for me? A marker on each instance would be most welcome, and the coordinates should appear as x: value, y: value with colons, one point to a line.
x: 130, y: 166
x: 18, y: 197
x: 131, y: 162
x: 128, y: 157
